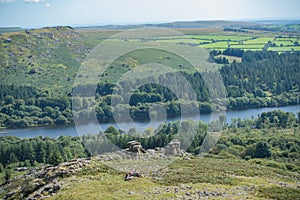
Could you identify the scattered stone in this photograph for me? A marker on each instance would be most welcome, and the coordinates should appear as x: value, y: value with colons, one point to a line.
x: 8, y: 40
x: 10, y: 195
x: 21, y: 169
x: 173, y: 148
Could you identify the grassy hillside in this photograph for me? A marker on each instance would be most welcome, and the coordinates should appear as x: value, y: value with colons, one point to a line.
x: 191, y: 179
x: 47, y: 58
x: 195, y: 178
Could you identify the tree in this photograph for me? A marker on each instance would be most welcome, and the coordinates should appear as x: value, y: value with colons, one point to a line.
x: 112, y: 130
x: 262, y: 150
x: 61, y: 120
x: 55, y: 158
x: 7, y: 175
x: 1, y: 168
x: 13, y: 158
x: 9, y: 100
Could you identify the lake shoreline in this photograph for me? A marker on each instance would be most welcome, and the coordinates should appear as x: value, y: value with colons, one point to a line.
x: 143, y: 120
x: 87, y: 127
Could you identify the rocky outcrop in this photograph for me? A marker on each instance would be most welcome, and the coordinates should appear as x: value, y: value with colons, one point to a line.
x: 173, y: 148
x: 41, y: 182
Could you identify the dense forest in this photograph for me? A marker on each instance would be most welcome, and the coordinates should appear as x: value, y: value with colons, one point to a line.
x: 263, y: 78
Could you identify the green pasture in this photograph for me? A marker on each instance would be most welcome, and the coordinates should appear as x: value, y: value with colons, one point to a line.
x: 260, y: 40
x: 282, y: 49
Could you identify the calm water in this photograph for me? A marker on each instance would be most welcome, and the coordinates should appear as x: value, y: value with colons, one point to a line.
x: 71, y: 130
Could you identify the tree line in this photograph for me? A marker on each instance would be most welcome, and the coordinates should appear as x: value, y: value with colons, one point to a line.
x: 29, y: 152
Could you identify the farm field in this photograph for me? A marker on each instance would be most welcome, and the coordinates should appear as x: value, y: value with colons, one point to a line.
x: 215, y: 39
x: 218, y: 45
x: 259, y: 40
x: 284, y: 48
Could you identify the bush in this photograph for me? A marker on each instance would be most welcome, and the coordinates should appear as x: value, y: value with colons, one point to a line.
x: 262, y: 150
x: 236, y: 150
x: 1, y: 168
x: 294, y: 155
x: 226, y: 154
x: 257, y: 161
x: 290, y: 166
x: 61, y: 120
x: 274, y: 164
x: 269, y: 163
x: 247, y: 157
x: 277, y: 192
x: 7, y: 174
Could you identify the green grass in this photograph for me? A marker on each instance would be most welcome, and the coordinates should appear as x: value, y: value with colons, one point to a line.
x: 249, y: 46
x: 139, y: 57
x: 220, y: 37
x: 282, y: 49
x: 276, y: 192
x: 198, y: 174
x: 260, y: 40
x: 284, y: 42
x: 292, y: 39
x: 218, y: 45
x: 181, y: 40
x: 54, y: 54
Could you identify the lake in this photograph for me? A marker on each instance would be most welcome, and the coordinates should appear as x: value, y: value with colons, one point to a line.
x: 72, y: 130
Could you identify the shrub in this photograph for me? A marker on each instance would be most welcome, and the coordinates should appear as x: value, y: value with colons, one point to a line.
x: 274, y: 164
x: 226, y: 154
x: 262, y: 150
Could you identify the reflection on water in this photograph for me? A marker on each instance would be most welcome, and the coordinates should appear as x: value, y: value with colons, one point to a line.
x: 71, y: 130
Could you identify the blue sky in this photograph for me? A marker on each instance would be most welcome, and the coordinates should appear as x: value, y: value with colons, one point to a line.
x: 39, y: 13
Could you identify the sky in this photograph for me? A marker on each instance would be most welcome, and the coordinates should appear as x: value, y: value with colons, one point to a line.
x: 40, y: 13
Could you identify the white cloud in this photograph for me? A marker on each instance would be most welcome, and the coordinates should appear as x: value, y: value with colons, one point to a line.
x: 7, y: 1
x: 47, y: 5
x: 33, y: 1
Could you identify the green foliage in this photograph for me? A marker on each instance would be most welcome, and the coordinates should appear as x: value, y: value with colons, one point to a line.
x: 40, y: 150
x: 55, y: 158
x: 25, y: 106
x: 276, y: 192
x: 100, y: 143
x: 47, y: 57
x: 276, y: 118
x: 253, y: 82
x: 112, y: 130
x: 262, y: 150
x: 7, y: 174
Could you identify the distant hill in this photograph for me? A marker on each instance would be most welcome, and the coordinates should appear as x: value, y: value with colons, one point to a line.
x: 182, y: 24
x: 10, y: 29
x: 265, y: 25
x: 45, y: 58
